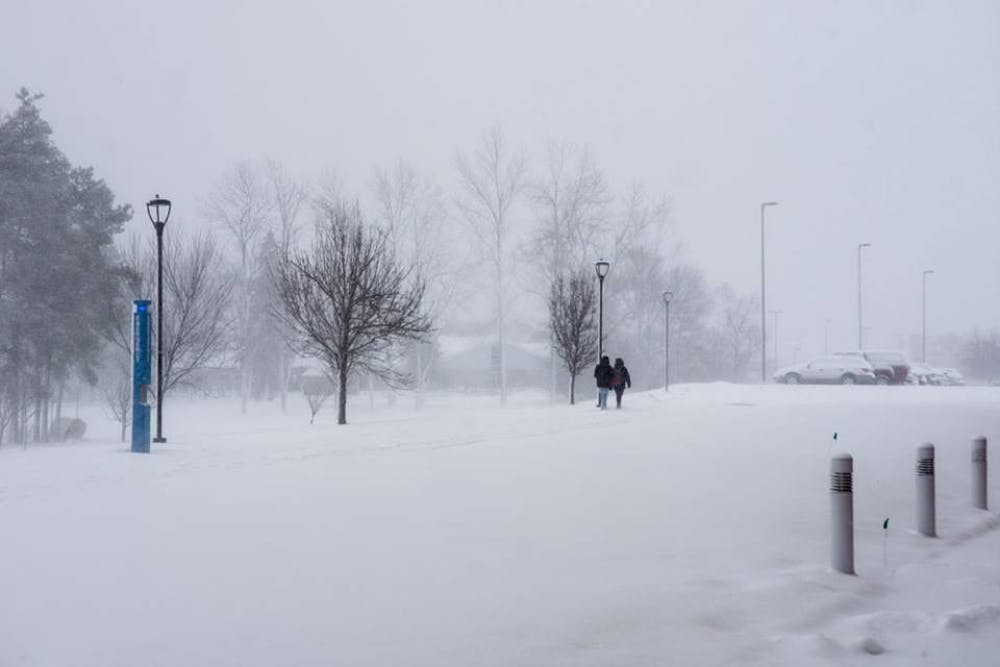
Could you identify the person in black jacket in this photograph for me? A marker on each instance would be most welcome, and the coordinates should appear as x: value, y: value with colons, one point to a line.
x: 619, y: 380
x: 603, y: 374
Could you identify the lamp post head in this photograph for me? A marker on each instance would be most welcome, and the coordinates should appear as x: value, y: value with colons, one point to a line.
x: 602, y: 268
x: 668, y: 296
x: 864, y: 245
x: 158, y: 210
x: 927, y: 272
x: 768, y: 203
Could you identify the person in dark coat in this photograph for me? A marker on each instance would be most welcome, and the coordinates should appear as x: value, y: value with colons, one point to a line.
x: 603, y: 374
x: 619, y: 380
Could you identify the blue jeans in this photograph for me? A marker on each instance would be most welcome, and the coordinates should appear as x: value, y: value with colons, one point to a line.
x: 602, y: 398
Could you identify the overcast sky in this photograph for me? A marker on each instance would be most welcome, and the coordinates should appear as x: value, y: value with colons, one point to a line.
x: 872, y: 122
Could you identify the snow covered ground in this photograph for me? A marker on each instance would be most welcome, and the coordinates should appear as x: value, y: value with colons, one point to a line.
x: 686, y: 529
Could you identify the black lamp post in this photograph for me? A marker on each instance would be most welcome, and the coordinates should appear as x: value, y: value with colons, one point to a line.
x: 602, y: 270
x: 158, y: 211
x: 667, y: 296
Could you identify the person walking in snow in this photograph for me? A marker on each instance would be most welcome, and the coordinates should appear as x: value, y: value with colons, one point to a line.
x: 619, y: 380
x: 603, y: 373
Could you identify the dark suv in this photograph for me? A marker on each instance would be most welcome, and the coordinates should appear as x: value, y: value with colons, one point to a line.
x: 890, y: 366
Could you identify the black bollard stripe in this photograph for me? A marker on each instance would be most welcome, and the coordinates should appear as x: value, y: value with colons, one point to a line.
x: 841, y: 482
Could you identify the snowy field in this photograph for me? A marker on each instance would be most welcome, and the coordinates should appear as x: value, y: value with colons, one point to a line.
x: 686, y: 529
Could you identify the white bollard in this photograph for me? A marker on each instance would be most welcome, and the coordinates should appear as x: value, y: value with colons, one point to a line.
x: 979, y: 472
x: 925, y: 490
x: 842, y: 513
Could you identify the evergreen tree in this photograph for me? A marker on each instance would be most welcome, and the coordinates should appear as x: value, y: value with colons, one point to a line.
x: 57, y: 270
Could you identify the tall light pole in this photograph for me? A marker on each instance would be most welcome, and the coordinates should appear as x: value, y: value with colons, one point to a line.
x: 158, y: 210
x: 667, y: 296
x: 775, y: 313
x: 602, y: 270
x: 861, y: 337
x: 923, y: 318
x: 763, y: 307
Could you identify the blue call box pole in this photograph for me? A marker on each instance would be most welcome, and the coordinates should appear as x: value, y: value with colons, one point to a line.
x: 142, y: 374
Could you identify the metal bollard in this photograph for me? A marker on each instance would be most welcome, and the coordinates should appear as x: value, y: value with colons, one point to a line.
x: 842, y: 513
x: 925, y: 490
x: 979, y: 472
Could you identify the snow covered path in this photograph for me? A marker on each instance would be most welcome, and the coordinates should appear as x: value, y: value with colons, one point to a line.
x: 684, y: 529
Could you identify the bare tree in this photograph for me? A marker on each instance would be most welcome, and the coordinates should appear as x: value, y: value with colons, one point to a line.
x: 288, y: 196
x: 316, y: 389
x: 633, y: 325
x: 573, y: 325
x: 198, y: 290
x: 642, y: 223
x: 571, y: 204
x: 118, y: 399
x: 348, y: 298
x: 412, y: 212
x: 490, y: 180
x: 8, y: 407
x: 737, y: 331
x: 197, y: 286
x: 243, y: 207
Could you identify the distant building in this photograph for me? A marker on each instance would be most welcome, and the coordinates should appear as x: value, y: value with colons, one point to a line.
x: 473, y: 362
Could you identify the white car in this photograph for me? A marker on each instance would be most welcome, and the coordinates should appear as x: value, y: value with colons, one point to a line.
x: 951, y: 377
x: 924, y: 374
x: 834, y: 369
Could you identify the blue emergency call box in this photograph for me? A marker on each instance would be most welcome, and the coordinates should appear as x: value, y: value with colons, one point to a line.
x: 142, y: 375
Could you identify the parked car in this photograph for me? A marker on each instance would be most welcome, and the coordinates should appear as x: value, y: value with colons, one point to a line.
x: 951, y: 377
x: 835, y: 369
x: 924, y: 374
x: 890, y: 366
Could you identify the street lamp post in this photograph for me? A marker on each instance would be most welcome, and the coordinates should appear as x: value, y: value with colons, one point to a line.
x: 861, y: 329
x: 602, y: 271
x: 158, y: 210
x: 763, y: 307
x: 923, y: 318
x: 667, y: 296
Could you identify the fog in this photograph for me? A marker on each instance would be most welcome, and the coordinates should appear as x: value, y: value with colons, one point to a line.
x: 867, y: 122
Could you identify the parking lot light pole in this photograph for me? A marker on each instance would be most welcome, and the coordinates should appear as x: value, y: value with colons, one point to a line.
x: 763, y: 307
x: 923, y: 318
x: 861, y: 336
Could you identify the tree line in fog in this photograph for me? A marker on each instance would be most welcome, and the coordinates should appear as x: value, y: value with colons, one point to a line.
x: 365, y: 282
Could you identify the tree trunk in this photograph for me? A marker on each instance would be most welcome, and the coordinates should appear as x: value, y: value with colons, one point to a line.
x: 420, y: 377
x: 342, y: 395
x: 244, y: 387
x: 554, y: 379
x: 124, y: 428
x: 59, y: 401
x: 38, y: 409
x: 283, y: 379
x: 502, y: 360
x: 572, y: 389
